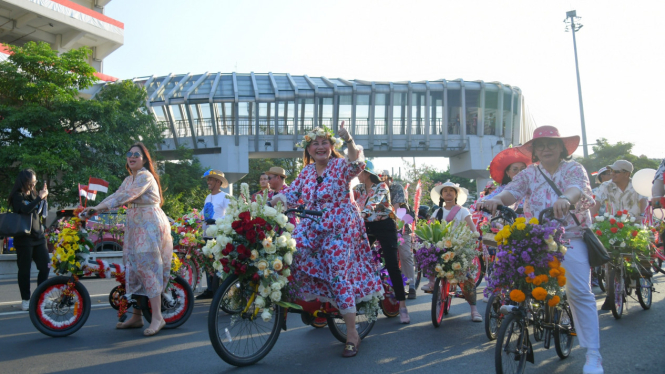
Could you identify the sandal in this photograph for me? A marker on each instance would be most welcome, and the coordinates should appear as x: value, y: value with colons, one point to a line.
x: 136, y: 325
x: 350, y: 349
x: 476, y: 317
x: 151, y: 332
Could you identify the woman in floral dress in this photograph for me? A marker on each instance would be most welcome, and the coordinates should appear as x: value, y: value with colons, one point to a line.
x: 373, y: 196
x: 334, y: 260
x: 550, y: 153
x: 148, y: 246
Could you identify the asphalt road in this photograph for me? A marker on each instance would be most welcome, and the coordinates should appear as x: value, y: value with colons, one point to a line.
x: 633, y: 344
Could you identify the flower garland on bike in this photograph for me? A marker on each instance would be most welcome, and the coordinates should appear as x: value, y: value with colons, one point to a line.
x: 72, y: 248
x: 253, y: 241
x: 334, y: 260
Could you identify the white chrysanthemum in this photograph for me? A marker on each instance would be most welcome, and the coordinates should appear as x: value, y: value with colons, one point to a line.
x: 211, y: 230
x: 264, y: 291
x: 281, y: 242
x: 281, y: 219
x: 269, y: 211
x: 266, y: 316
x: 276, y: 296
x: 288, y: 258
x: 259, y: 302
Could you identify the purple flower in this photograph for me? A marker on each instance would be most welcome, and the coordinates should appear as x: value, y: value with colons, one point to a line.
x: 520, y: 270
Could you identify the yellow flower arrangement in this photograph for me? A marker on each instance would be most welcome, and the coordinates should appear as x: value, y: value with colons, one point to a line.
x: 175, y: 264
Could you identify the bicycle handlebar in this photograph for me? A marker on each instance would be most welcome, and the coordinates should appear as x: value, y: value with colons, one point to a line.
x: 301, y: 211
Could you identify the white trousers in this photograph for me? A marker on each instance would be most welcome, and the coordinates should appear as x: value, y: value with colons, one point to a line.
x: 580, y: 297
x: 406, y: 261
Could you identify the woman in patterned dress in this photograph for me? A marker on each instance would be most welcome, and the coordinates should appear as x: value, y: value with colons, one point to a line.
x: 334, y: 261
x: 148, y: 246
x: 550, y: 153
x: 373, y: 197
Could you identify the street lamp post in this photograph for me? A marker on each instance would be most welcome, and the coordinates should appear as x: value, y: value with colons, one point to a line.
x: 573, y: 24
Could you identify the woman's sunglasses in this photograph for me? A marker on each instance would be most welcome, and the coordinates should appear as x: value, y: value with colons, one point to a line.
x: 133, y: 154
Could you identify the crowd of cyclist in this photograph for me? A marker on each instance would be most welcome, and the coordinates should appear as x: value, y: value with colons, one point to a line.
x: 525, y: 178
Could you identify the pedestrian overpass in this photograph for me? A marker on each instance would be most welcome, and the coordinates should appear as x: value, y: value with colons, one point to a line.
x: 228, y: 118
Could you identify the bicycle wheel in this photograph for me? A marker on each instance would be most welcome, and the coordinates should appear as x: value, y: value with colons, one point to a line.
x: 492, y: 316
x: 188, y: 270
x: 478, y: 261
x: 338, y: 327
x: 563, y: 339
x: 56, y: 314
x: 389, y: 305
x: 615, y: 290
x: 115, y: 295
x: 644, y: 291
x: 512, y: 346
x: 600, y: 275
x: 319, y: 322
x: 241, y: 339
x: 177, y: 310
x: 440, y: 300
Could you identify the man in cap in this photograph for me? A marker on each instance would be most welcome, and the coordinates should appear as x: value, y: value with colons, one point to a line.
x: 398, y: 200
x: 214, y: 208
x: 276, y: 180
x: 619, y: 193
x: 603, y: 175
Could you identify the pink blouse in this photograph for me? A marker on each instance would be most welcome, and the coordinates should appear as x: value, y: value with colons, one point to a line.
x: 538, y: 195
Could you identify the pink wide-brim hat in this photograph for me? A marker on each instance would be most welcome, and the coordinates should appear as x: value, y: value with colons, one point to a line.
x: 570, y: 143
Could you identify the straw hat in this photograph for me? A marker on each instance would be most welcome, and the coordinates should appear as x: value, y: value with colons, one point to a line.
x: 275, y: 170
x: 462, y: 193
x: 550, y: 132
x: 504, y: 159
x: 217, y: 175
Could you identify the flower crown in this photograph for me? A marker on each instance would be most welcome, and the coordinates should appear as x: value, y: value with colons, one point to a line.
x: 320, y: 131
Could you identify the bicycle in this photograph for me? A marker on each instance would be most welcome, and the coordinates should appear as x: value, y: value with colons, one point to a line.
x: 61, y: 305
x: 241, y: 338
x: 621, y: 284
x: 513, y: 345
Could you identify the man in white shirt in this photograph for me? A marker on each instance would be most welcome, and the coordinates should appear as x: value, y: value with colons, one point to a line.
x: 619, y: 193
x: 214, y: 208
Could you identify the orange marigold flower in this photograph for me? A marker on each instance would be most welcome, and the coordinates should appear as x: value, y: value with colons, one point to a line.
x: 529, y: 280
x: 554, y: 301
x: 529, y: 269
x: 537, y: 281
x: 517, y: 296
x: 554, y: 263
x: 539, y: 293
x: 561, y: 280
x: 554, y: 273
x: 562, y: 271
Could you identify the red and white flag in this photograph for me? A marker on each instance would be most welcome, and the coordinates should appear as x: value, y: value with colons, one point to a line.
x: 97, y: 184
x: 84, y: 191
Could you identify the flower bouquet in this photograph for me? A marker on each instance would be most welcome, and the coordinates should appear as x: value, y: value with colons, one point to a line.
x: 528, y: 261
x: 447, y: 250
x: 187, y: 236
x: 253, y: 241
x: 72, y: 249
x: 622, y: 233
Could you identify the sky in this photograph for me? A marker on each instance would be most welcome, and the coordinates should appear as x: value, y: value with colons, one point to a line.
x: 521, y: 43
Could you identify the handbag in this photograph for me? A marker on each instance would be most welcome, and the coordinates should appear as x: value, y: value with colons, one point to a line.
x: 15, y: 225
x: 597, y: 252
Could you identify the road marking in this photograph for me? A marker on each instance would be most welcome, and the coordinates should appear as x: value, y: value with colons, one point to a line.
x: 18, y: 302
x: 25, y: 312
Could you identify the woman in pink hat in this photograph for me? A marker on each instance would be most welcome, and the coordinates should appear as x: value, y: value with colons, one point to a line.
x: 550, y: 154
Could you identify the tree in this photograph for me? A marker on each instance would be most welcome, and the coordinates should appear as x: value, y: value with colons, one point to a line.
x: 605, y: 154
x: 46, y: 126
x: 182, y: 184
x: 292, y: 166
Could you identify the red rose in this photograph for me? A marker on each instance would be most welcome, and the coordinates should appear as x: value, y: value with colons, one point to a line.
x: 595, y: 215
x: 625, y: 211
x: 255, y: 277
x: 241, y: 248
x: 619, y: 213
x: 251, y: 236
x: 245, y: 216
x: 614, y: 230
x: 613, y: 221
x: 620, y: 224
x: 224, y: 261
x: 599, y: 233
x: 226, y: 269
x: 634, y: 233
x: 259, y: 221
x: 262, y: 235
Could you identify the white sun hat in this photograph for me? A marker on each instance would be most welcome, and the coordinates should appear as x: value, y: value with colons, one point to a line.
x: 462, y: 193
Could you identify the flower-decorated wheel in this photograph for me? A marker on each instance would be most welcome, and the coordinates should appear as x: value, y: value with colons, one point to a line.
x: 177, y: 308
x: 60, y: 306
x: 389, y: 305
x: 116, y: 295
x: 442, y: 297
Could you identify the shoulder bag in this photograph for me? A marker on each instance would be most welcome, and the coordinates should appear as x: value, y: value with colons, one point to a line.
x: 597, y: 253
x: 15, y: 225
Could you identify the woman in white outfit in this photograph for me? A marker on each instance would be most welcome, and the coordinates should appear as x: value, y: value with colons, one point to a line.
x: 550, y: 153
